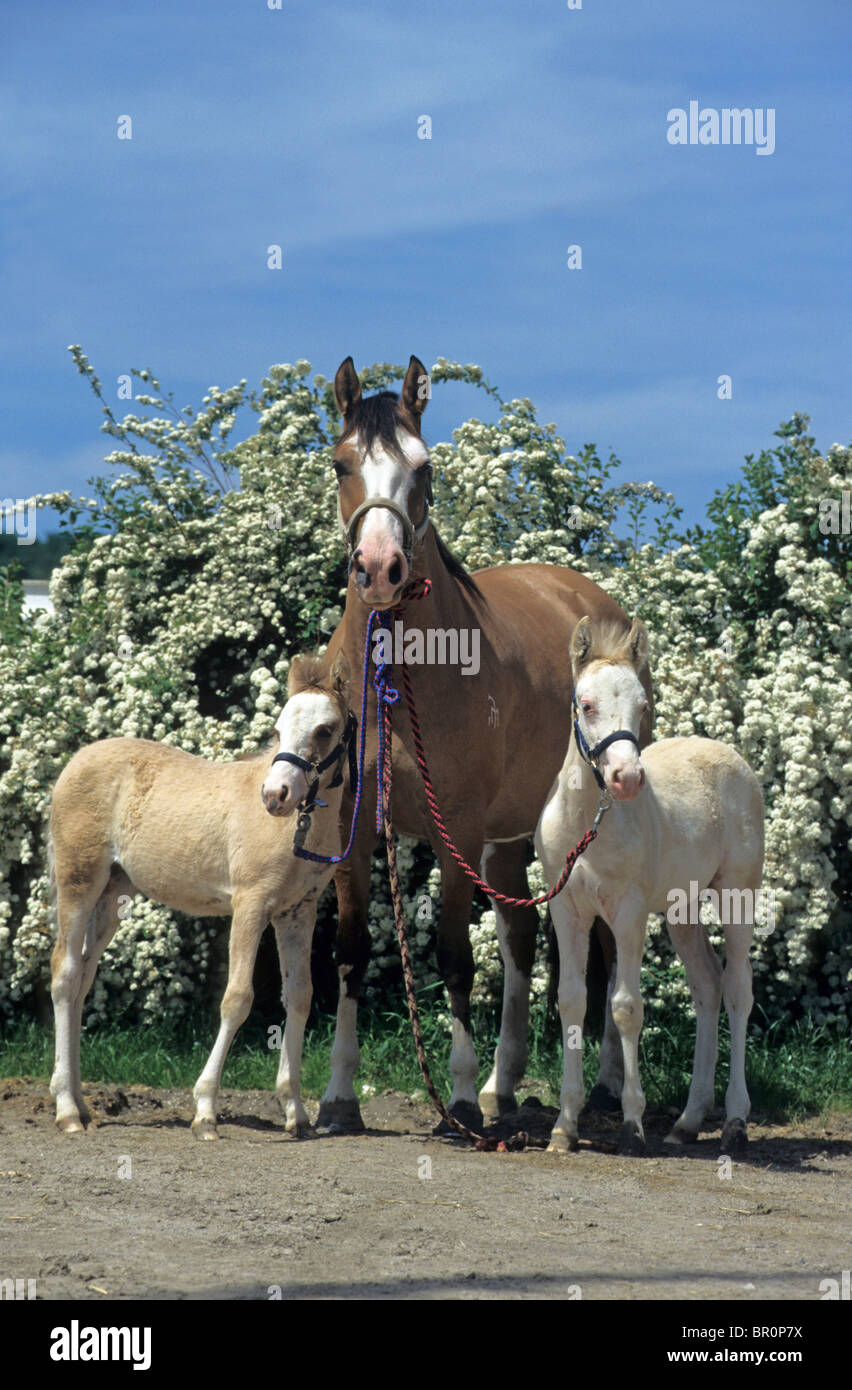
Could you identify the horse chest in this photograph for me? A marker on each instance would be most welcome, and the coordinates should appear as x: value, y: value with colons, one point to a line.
x: 611, y: 867
x: 594, y: 890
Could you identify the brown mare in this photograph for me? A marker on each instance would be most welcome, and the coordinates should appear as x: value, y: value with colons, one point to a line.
x: 494, y: 740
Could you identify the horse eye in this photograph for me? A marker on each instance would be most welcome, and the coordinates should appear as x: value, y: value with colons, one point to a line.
x: 323, y: 732
x: 587, y: 707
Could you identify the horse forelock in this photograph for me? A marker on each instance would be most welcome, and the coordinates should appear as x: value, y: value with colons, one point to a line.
x: 609, y: 644
x: 377, y: 420
x: 307, y: 673
x: 312, y: 676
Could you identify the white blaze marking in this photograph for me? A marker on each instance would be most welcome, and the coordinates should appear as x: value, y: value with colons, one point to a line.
x: 385, y: 476
x: 618, y: 697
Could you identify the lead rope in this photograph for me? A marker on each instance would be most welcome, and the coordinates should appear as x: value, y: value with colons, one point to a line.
x: 387, y: 697
x: 604, y: 802
x: 405, y: 949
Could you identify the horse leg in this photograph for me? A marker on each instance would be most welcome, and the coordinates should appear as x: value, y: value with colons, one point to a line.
x: 572, y: 934
x: 455, y: 962
x: 294, y: 932
x: 737, y: 992
x: 704, y: 977
x: 339, y: 1107
x: 247, y: 924
x: 102, y: 928
x: 77, y: 912
x: 504, y: 867
x: 606, y: 1092
x: 628, y: 928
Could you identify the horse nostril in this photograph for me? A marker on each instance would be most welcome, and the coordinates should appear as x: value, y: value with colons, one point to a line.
x: 395, y: 573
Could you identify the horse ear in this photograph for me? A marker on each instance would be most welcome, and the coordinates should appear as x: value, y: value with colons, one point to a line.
x: 295, y: 678
x: 637, y: 644
x: 340, y: 677
x: 581, y: 643
x: 417, y: 388
x: 347, y: 388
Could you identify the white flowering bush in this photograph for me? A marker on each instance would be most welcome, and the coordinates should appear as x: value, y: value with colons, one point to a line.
x: 199, y: 567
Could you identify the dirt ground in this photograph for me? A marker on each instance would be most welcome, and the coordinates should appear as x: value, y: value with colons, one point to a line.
x: 137, y: 1208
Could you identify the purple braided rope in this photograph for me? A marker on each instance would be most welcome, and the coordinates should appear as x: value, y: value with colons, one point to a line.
x: 386, y: 695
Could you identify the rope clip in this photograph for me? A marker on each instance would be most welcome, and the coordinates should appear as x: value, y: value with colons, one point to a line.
x: 302, y: 828
x: 604, y: 803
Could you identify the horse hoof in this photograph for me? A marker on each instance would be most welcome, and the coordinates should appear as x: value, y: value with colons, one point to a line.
x: 340, y: 1117
x: 734, y: 1137
x: 631, y: 1142
x: 71, y: 1125
x: 563, y: 1143
x: 677, y: 1138
x: 467, y: 1114
x: 302, y: 1131
x: 602, y: 1098
x: 494, y: 1106
x: 204, y: 1129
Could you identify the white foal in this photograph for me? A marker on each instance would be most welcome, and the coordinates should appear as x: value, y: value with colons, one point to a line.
x: 688, y: 812
x: 131, y: 815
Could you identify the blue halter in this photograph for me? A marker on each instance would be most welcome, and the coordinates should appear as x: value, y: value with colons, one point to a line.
x: 315, y: 770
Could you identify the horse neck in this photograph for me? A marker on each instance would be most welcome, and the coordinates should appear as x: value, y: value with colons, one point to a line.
x: 575, y: 767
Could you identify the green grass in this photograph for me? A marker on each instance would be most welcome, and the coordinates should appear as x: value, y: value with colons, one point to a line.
x: 792, y: 1070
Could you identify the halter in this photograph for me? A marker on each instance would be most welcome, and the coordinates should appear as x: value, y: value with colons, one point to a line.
x: 591, y: 755
x: 347, y: 744
x: 410, y: 533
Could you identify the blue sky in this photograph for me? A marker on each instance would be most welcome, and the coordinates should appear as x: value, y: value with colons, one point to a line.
x: 299, y: 127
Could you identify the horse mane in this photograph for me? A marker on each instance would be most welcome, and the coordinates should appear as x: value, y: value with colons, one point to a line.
x: 457, y: 569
